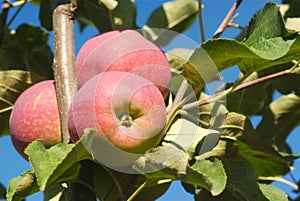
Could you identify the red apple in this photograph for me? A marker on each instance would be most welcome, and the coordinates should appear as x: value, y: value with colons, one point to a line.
x: 127, y: 110
x: 125, y: 51
x: 35, y: 116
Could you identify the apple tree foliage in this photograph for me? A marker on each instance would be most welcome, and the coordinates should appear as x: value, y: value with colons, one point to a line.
x: 242, y: 161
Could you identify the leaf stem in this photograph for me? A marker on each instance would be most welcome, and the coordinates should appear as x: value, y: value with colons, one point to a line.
x: 280, y: 179
x: 6, y: 109
x: 179, y: 95
x: 227, y: 19
x: 202, y: 33
x: 140, y: 188
x: 15, y: 15
x: 118, y: 185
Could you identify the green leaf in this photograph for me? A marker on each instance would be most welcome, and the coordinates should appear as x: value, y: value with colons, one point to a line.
x: 27, y: 48
x: 187, y: 135
x: 153, y: 190
x: 171, y: 162
x: 107, y: 15
x: 266, y: 33
x: 214, y: 172
x: 241, y: 180
x: 237, y: 126
x: 50, y: 164
x: 107, y: 181
x: 2, y: 191
x: 282, y: 116
x: 264, y: 164
x: 22, y: 186
x: 176, y: 16
x: 57, y: 193
x: 12, y: 84
x: 45, y: 14
x: 259, y: 51
x: 273, y: 193
x: 248, y: 101
x: 288, y: 83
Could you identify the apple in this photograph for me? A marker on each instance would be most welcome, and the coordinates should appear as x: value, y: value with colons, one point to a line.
x: 125, y: 51
x: 127, y: 110
x: 35, y: 115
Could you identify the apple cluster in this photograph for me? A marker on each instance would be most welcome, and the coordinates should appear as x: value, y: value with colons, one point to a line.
x: 123, y: 79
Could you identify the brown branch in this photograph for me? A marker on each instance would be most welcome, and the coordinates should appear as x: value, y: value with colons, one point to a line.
x: 63, y: 63
x: 66, y: 86
x: 227, y: 19
x: 240, y: 87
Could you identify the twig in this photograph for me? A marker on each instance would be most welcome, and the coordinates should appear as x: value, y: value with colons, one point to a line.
x: 263, y: 79
x: 238, y: 88
x: 236, y: 26
x: 201, y: 21
x: 227, y: 19
x: 63, y: 63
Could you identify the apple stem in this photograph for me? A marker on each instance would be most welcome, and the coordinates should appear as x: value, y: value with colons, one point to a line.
x: 126, y: 121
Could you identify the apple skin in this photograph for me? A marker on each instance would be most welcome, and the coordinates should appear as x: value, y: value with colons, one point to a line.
x: 127, y: 110
x: 125, y: 51
x: 35, y: 116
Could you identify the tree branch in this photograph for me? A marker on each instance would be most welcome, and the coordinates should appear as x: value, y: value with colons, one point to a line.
x: 227, y: 19
x: 63, y: 63
x: 239, y: 87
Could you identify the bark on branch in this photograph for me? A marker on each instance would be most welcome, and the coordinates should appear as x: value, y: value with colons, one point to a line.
x: 63, y: 63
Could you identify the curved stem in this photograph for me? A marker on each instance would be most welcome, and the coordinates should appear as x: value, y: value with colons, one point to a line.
x: 131, y: 198
x: 201, y: 21
x: 15, y: 14
x: 118, y: 185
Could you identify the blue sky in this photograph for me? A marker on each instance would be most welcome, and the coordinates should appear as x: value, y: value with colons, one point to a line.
x: 213, y: 13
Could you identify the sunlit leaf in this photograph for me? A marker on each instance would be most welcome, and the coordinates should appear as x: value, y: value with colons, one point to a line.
x: 259, y: 51
x: 22, y: 186
x: 171, y: 162
x: 173, y: 15
x: 214, y: 172
x: 273, y: 193
x: 266, y: 33
x: 50, y: 164
x: 264, y: 163
x: 280, y: 119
